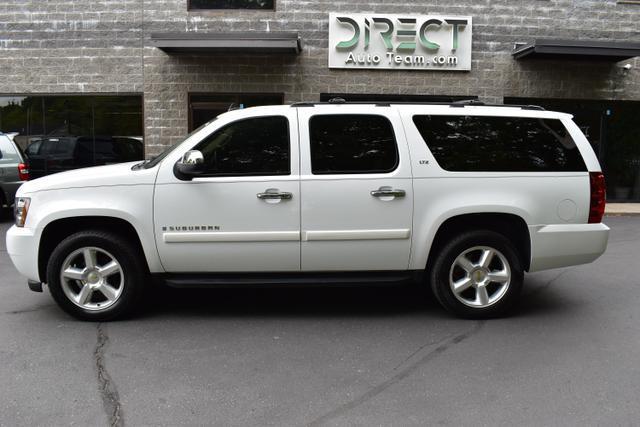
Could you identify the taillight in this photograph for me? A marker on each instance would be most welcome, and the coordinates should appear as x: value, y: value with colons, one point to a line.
x: 23, y: 172
x: 598, y: 197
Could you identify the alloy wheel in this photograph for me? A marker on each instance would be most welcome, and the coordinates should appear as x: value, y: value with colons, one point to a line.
x: 92, y: 278
x: 480, y: 276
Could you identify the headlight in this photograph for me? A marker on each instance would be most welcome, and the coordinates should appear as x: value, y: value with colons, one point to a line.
x: 21, y: 210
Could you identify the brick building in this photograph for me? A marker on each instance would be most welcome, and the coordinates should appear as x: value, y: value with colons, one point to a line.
x: 154, y: 69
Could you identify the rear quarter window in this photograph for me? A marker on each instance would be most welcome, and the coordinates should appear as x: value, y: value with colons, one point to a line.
x: 499, y: 144
x: 7, y: 149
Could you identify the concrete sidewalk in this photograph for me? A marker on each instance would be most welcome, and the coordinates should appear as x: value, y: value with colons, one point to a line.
x: 622, y: 209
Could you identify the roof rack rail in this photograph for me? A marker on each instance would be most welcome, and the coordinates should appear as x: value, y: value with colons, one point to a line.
x: 464, y: 102
x: 532, y: 107
x: 454, y: 104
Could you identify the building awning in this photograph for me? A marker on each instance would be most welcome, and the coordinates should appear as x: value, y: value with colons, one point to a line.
x: 228, y: 43
x: 577, y: 49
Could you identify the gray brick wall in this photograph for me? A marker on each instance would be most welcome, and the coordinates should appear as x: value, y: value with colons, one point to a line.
x: 76, y: 46
x: 70, y: 46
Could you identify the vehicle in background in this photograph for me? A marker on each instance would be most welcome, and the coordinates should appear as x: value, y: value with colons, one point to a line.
x: 55, y: 154
x: 14, y: 170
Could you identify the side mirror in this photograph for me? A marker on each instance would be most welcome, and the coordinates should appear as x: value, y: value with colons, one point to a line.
x: 189, y: 166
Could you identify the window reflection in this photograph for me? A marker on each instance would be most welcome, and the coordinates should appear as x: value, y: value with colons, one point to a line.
x: 499, y: 144
x: 258, y: 146
x: 351, y: 143
x: 60, y: 133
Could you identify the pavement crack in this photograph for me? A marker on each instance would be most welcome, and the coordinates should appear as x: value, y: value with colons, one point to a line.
x: 422, y: 347
x: 106, y: 386
x: 443, y: 346
x: 547, y: 284
x: 26, y: 310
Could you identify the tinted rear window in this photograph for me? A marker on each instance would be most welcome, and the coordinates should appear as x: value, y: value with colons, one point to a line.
x: 499, y: 144
x: 352, y: 144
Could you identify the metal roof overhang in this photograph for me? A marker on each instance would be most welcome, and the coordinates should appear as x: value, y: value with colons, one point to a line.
x: 187, y: 43
x: 577, y: 49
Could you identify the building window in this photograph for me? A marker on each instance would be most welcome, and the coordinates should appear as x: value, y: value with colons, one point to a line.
x: 255, y: 146
x: 352, y: 144
x: 206, y: 106
x: 612, y: 128
x: 60, y: 133
x: 231, y: 4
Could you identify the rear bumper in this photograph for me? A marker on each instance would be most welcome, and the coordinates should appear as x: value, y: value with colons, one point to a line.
x: 22, y: 246
x: 562, y: 245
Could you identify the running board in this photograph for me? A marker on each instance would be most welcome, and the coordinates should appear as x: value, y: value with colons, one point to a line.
x: 369, y: 278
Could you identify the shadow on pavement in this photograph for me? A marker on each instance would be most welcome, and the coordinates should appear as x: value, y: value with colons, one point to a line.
x: 538, y: 299
x: 293, y: 301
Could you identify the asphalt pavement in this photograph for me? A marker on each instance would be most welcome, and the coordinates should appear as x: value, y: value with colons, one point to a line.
x: 334, y: 357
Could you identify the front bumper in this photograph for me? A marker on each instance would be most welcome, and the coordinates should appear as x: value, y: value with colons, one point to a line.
x: 22, y: 246
x: 562, y: 245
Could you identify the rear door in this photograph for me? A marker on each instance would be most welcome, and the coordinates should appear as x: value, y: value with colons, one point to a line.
x: 356, y: 186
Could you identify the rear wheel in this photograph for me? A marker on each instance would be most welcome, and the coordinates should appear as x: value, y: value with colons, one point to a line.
x: 96, y: 275
x: 478, y: 274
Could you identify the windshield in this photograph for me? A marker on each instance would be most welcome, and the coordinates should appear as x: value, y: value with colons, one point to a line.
x: 157, y: 159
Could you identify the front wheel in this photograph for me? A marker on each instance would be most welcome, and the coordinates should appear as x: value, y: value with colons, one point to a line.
x: 96, y: 275
x: 477, y: 275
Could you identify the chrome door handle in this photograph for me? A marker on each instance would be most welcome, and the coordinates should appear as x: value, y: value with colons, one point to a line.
x: 388, y: 192
x: 273, y: 194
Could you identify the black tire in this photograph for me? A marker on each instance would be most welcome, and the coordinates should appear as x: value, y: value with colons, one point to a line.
x: 133, y: 267
x: 6, y: 212
x: 444, y: 261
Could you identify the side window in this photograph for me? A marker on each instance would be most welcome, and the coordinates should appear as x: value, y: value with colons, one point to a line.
x: 352, y: 144
x: 47, y: 147
x: 255, y: 146
x: 62, y: 147
x: 499, y: 144
x: 33, y: 148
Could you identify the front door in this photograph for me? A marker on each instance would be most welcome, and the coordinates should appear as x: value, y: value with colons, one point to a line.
x: 244, y: 214
x: 357, y: 196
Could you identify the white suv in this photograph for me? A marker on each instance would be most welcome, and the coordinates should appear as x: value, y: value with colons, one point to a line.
x: 464, y: 197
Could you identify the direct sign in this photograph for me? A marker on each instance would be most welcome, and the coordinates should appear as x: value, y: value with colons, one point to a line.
x: 400, y: 42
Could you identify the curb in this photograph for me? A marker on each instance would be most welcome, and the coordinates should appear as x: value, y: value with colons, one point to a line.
x: 622, y: 214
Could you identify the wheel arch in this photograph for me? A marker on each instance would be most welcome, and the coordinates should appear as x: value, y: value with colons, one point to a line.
x: 59, y: 229
x: 512, y: 226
